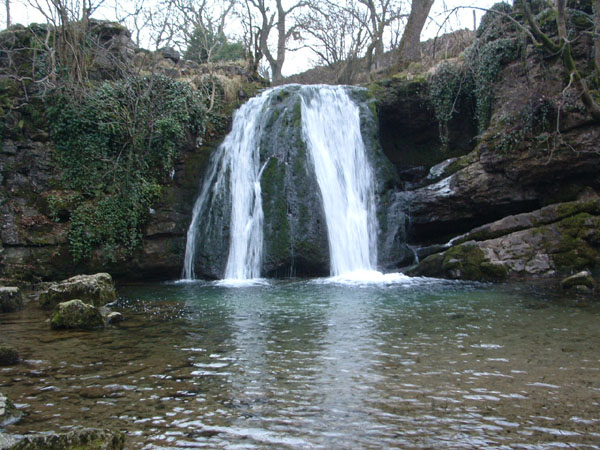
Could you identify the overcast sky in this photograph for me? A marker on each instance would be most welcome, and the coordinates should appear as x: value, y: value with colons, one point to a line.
x: 462, y: 18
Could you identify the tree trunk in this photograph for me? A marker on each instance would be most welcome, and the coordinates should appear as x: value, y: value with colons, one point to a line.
x: 597, y: 34
x: 281, y: 42
x: 7, y: 13
x: 410, y: 44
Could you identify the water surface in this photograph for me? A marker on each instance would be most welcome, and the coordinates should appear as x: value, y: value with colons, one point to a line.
x: 312, y: 364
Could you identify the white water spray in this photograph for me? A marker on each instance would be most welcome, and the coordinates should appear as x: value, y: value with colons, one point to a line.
x: 237, y: 161
x: 331, y: 129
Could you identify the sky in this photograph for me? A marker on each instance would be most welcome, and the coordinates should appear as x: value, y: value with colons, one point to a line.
x: 301, y: 60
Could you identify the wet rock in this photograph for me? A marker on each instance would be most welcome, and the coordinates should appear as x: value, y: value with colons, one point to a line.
x: 80, y: 439
x: 581, y: 281
x: 11, y: 299
x: 467, y: 198
x: 76, y: 314
x: 8, y: 355
x: 8, y: 413
x: 555, y: 239
x: 114, y: 317
x: 95, y: 289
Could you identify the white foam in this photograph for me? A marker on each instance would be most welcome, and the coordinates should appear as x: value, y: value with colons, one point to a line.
x: 370, y: 277
x: 238, y: 282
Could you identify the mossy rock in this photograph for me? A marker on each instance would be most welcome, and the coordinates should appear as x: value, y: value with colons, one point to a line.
x: 466, y: 262
x: 582, y: 279
x: 9, y: 356
x: 76, y: 314
x: 96, y: 290
x: 11, y: 299
x: 81, y: 439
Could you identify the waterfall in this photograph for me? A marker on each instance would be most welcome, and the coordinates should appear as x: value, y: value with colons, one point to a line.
x: 317, y: 176
x: 236, y: 163
x: 331, y: 127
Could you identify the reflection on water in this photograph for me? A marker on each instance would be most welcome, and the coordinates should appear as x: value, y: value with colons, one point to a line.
x: 308, y: 364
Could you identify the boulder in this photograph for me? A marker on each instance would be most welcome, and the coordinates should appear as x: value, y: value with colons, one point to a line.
x: 170, y: 53
x: 95, y: 289
x: 555, y: 239
x: 114, y: 317
x: 581, y: 281
x: 8, y: 413
x: 8, y: 355
x: 79, y: 439
x: 11, y: 299
x: 76, y: 314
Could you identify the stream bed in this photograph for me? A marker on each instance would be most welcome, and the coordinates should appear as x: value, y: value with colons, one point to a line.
x: 301, y: 364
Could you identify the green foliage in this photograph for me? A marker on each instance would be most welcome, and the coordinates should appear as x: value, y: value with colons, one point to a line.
x: 535, y: 123
x: 117, y: 144
x: 484, y: 61
x: 207, y: 46
x: 493, y: 25
x: 445, y: 88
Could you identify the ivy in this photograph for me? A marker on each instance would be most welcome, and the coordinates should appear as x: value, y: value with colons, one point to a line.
x: 117, y: 144
x: 476, y: 74
x: 485, y: 59
x: 446, y: 86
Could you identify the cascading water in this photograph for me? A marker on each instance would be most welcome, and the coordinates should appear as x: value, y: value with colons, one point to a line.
x: 236, y: 161
x: 331, y: 128
x: 298, y: 150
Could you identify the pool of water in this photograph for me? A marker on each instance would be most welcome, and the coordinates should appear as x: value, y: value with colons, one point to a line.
x: 313, y: 364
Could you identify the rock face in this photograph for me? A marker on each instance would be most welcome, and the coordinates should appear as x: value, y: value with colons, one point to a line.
x: 81, y: 439
x: 295, y: 230
x: 35, y: 209
x: 11, y: 299
x: 76, y: 314
x: 96, y: 290
x: 522, y: 201
x: 545, y: 242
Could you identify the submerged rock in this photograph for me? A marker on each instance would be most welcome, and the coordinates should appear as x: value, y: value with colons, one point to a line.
x: 8, y: 355
x: 114, y: 317
x: 9, y: 414
x: 76, y: 314
x: 95, y: 289
x: 80, y: 439
x: 11, y: 299
x: 580, y: 281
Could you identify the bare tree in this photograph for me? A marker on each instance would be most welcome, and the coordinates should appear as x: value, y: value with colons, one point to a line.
x: 410, y: 44
x: 380, y: 15
x: 563, y: 48
x: 273, y: 16
x: 7, y: 13
x: 337, y: 36
x: 201, y: 23
x: 71, y: 21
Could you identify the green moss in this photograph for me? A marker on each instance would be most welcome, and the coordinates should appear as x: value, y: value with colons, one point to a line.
x: 76, y: 314
x: 579, y: 244
x: 275, y: 210
x: 467, y: 261
x: 296, y: 118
